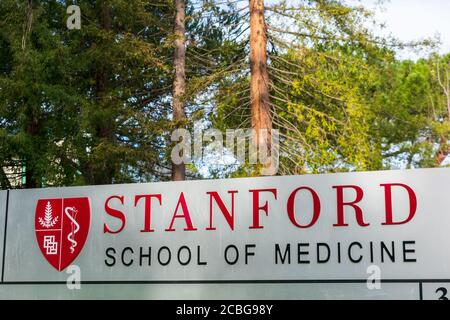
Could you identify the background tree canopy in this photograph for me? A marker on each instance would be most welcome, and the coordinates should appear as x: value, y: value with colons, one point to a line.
x: 94, y: 106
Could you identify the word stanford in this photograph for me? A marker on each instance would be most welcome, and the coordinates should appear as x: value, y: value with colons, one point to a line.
x: 347, y: 201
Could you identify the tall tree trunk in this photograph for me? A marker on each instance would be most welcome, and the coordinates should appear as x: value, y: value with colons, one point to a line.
x: 444, y: 149
x: 179, y: 81
x: 259, y: 87
x: 103, y: 172
x: 32, y: 180
x: 27, y: 25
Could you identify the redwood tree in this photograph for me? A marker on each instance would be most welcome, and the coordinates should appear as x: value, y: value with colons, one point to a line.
x: 179, y: 80
x: 259, y: 87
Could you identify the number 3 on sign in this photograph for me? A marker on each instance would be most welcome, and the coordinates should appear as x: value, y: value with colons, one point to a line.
x: 442, y: 293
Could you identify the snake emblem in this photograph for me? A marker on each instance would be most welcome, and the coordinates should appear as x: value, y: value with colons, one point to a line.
x: 74, y: 226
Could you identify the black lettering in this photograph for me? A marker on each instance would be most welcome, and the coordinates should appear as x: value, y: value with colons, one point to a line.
x: 371, y: 252
x: 286, y: 255
x: 339, y: 252
x: 232, y: 262
x: 130, y: 262
x: 300, y: 253
x: 184, y: 263
x: 111, y: 256
x: 199, y: 262
x: 248, y: 253
x: 384, y: 249
x: 142, y: 256
x: 323, y: 245
x: 169, y: 256
x: 350, y: 252
x: 408, y: 250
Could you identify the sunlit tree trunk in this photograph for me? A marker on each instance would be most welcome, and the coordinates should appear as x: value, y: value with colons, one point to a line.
x: 259, y: 87
x: 179, y: 81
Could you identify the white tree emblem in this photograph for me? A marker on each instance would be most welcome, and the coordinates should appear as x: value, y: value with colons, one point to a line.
x: 48, y: 221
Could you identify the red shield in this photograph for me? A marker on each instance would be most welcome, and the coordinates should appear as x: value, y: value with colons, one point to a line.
x: 62, y: 226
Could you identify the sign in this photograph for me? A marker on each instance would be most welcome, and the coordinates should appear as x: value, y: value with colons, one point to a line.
x: 347, y: 235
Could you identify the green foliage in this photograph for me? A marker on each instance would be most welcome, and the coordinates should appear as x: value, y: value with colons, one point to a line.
x: 73, y: 102
x: 413, y: 111
x: 93, y: 106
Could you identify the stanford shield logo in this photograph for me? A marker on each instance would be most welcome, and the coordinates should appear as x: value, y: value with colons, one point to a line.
x: 62, y: 226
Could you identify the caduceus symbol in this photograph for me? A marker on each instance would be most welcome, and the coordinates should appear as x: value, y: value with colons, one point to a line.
x: 75, y: 227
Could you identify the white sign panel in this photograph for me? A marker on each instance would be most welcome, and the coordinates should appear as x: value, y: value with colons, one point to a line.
x: 384, y: 233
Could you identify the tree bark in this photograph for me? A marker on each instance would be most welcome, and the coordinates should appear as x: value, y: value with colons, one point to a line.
x: 259, y: 87
x: 103, y: 173
x: 179, y: 81
x: 32, y: 180
x: 27, y: 25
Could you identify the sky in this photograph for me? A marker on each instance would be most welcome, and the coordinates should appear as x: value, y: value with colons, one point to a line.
x: 414, y: 20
